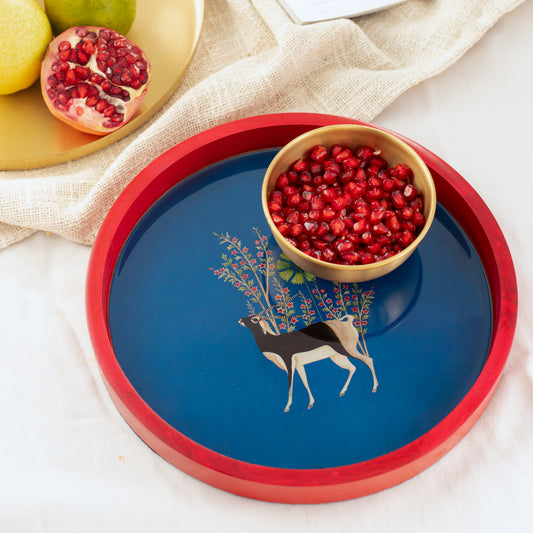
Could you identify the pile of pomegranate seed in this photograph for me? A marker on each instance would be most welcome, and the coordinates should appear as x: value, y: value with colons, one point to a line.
x: 347, y: 207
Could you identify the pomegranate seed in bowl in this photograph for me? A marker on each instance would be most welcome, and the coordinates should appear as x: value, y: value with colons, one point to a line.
x: 348, y: 202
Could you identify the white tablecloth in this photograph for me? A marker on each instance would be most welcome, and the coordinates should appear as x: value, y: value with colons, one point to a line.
x: 70, y: 463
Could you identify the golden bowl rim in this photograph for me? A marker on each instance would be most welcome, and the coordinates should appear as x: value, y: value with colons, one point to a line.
x: 385, y: 265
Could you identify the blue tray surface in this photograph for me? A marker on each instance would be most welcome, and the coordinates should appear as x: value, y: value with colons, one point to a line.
x: 196, y: 263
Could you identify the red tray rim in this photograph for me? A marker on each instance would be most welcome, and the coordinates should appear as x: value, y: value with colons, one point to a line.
x: 279, y: 484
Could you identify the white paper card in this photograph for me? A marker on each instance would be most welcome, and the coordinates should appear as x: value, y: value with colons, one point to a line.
x: 307, y: 11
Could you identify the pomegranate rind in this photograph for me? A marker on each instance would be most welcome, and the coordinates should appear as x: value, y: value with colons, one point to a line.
x: 110, y: 98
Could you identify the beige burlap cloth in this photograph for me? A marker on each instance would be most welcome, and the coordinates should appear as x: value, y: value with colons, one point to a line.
x: 252, y: 59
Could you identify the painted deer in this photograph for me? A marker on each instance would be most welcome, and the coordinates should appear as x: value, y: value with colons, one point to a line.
x: 336, y: 339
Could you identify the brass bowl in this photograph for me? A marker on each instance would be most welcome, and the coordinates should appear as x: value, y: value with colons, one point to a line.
x: 394, y: 151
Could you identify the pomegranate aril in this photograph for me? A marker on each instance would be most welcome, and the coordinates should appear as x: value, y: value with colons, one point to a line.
x: 293, y: 217
x: 373, y: 170
x: 284, y: 228
x: 320, y: 245
x: 375, y: 248
x: 91, y: 101
x: 353, y: 238
x: 406, y: 213
x: 364, y: 153
x: 328, y: 254
x: 82, y: 57
x: 336, y: 149
x: 328, y: 213
x: 304, y: 207
x: 330, y: 176
x: 304, y: 243
x: 417, y: 204
x: 402, y: 171
x: 331, y: 164
x: 393, y: 223
x: 315, y: 214
x: 383, y: 239
x: 361, y: 226
x: 349, y: 221
x: 339, y: 203
x: 316, y: 167
x: 317, y: 203
x: 360, y: 174
x: 377, y: 215
x: 318, y: 180
x: 374, y: 193
x: 300, y: 165
x: 378, y: 204
x: 399, y: 184
x: 352, y: 162
x: 109, y: 111
x: 101, y: 105
x: 361, y: 209
x: 328, y: 194
x: 410, y: 192
x: 367, y: 238
x: 114, y: 119
x: 296, y: 229
x: 337, y: 226
x: 367, y: 258
x: 388, y: 184
x: 355, y: 189
x: 82, y: 73
x: 315, y: 254
x: 292, y: 241
x: 323, y: 229
x: 70, y: 77
x: 408, y: 225
x: 276, y: 196
x: 311, y: 227
x: 277, y: 218
x: 88, y: 47
x: 418, y: 218
x: 406, y: 238
x: 282, y: 181
x: 289, y: 190
x: 374, y: 182
x: 293, y: 200
x: 380, y: 229
x: 398, y: 199
x: 347, y: 175
x: 351, y: 258
x: 344, y: 246
x: 343, y: 155
x: 305, y: 178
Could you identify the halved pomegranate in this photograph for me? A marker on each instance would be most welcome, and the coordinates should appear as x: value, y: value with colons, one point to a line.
x: 94, y: 79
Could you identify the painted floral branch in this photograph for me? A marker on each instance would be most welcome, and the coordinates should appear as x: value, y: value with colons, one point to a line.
x: 257, y: 275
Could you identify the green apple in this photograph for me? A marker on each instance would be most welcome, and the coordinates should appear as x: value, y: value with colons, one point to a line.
x: 117, y: 15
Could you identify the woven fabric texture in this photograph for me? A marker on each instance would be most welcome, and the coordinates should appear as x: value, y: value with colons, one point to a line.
x: 252, y: 59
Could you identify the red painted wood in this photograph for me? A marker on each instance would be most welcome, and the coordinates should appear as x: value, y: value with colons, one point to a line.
x: 276, y: 484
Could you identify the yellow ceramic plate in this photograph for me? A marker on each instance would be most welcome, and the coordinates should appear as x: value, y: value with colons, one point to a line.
x: 30, y: 137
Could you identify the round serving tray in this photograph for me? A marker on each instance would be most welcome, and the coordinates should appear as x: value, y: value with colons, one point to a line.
x: 185, y: 254
x: 31, y: 137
